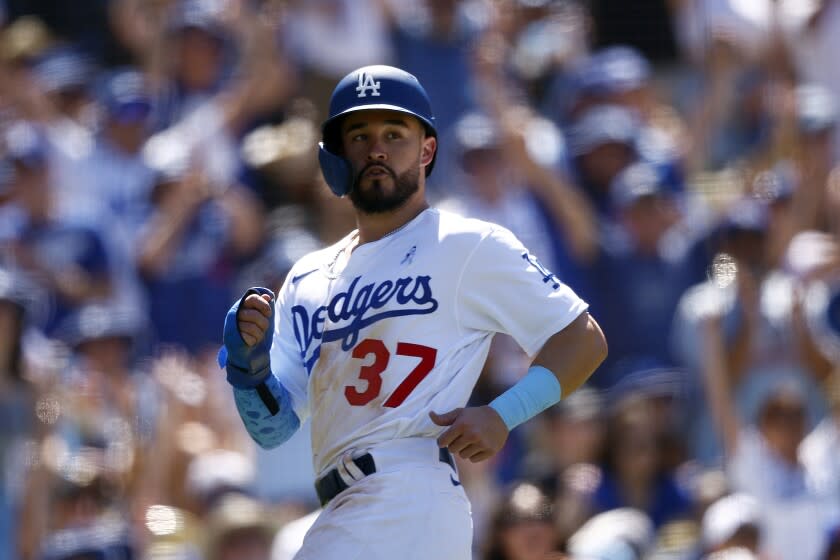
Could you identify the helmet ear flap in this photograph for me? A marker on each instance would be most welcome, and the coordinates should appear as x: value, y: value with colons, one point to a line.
x: 337, y: 171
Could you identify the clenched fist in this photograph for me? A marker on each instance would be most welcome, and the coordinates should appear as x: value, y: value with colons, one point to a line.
x: 254, y: 317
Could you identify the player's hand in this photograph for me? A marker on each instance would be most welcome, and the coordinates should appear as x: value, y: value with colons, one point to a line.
x: 253, y: 318
x: 474, y: 433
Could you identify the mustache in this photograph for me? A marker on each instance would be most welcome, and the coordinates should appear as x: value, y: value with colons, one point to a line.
x: 374, y: 164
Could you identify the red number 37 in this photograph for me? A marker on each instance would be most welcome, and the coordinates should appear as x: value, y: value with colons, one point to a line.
x: 372, y: 373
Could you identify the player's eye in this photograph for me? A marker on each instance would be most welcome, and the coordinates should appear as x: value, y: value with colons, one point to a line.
x: 393, y: 135
x: 358, y: 137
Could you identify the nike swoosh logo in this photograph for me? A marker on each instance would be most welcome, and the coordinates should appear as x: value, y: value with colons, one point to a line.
x: 454, y: 482
x: 299, y: 277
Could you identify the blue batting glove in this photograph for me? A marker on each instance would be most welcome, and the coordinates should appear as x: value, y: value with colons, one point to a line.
x: 247, y: 366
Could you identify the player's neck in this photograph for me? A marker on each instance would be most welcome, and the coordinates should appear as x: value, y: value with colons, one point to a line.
x: 373, y: 227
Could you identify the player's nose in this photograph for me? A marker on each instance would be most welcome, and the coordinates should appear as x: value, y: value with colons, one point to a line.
x: 377, y: 151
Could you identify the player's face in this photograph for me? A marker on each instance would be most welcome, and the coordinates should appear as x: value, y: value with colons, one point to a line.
x: 387, y: 151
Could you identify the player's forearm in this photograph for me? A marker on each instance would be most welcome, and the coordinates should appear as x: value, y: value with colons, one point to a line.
x: 267, y: 412
x: 574, y: 353
x: 565, y: 362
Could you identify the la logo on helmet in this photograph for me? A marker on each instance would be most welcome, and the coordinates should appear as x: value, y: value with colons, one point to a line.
x: 366, y: 83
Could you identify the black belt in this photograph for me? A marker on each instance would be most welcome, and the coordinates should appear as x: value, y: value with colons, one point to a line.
x: 331, y: 484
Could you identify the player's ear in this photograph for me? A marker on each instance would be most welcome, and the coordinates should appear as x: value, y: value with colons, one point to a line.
x: 427, y: 151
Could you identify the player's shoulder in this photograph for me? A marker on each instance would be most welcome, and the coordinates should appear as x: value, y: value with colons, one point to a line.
x: 455, y: 227
x: 457, y: 230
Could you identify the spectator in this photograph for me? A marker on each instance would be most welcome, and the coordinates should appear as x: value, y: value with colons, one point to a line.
x: 634, y: 473
x: 201, y: 65
x: 816, y: 116
x: 820, y: 450
x: 84, y: 526
x: 214, y: 474
x: 213, y: 92
x: 522, y: 527
x: 193, y: 234
x: 617, y: 75
x: 106, y: 410
x: 755, y: 298
x: 762, y: 458
x: 62, y: 103
x: 573, y: 433
x: 643, y: 268
x: 239, y: 528
x: 66, y: 258
x: 811, y: 34
x: 17, y: 408
x: 494, y: 189
x: 434, y: 40
x: 602, y: 143
x: 109, y: 186
x: 362, y: 26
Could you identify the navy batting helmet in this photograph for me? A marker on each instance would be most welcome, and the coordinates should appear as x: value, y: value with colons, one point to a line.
x: 365, y: 89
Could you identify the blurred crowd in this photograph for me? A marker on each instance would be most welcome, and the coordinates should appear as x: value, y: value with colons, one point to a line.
x: 675, y: 161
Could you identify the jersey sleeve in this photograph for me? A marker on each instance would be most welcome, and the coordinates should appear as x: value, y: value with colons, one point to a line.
x: 286, y: 361
x: 503, y: 288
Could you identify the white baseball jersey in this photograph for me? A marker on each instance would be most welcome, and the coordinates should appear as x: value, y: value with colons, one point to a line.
x: 368, y: 342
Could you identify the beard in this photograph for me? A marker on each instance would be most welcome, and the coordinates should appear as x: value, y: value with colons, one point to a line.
x: 374, y: 199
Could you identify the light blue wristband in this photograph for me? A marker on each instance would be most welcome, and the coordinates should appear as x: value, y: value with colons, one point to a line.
x: 536, y: 391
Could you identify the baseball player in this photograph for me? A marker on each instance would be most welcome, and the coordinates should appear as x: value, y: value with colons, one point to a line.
x: 380, y: 338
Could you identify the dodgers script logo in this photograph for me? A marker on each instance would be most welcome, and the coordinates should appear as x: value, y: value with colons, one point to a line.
x: 366, y: 83
x: 357, y: 308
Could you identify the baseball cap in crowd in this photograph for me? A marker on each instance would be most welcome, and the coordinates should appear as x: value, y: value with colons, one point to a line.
x: 125, y: 96
x: 784, y: 390
x: 475, y: 131
x: 64, y: 68
x: 603, y: 124
x: 24, y: 144
x: 747, y: 215
x: 618, y: 534
x: 775, y: 184
x: 18, y: 289
x: 524, y: 502
x: 13, y: 289
x: 639, y: 180
x: 213, y: 474
x: 584, y: 404
x: 201, y: 15
x: 816, y: 109
x: 647, y: 378
x: 616, y: 69
x: 167, y: 155
x: 236, y: 514
x: 103, y: 540
x: 98, y: 322
x: 728, y: 516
